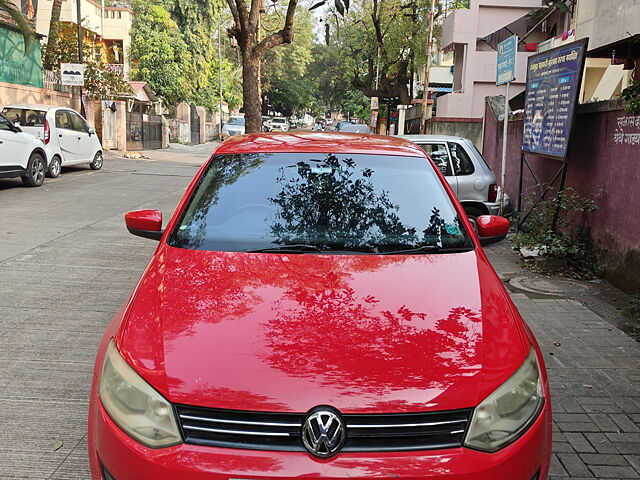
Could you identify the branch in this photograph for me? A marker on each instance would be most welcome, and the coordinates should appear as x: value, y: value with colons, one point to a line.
x: 283, y: 36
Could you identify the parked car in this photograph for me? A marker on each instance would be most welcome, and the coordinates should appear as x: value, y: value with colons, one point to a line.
x: 280, y: 123
x: 21, y: 155
x: 319, y: 308
x: 340, y: 124
x: 355, y: 128
x: 466, y: 172
x: 235, y: 126
x: 68, y: 139
x: 266, y: 123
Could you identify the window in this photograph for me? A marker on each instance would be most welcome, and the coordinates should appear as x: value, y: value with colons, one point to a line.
x: 25, y: 117
x: 329, y: 202
x: 462, y: 164
x: 119, y: 14
x: 62, y: 120
x: 440, y: 156
x: 78, y: 122
x: 5, y: 123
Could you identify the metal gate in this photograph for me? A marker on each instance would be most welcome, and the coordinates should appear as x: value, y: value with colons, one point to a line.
x: 144, y: 132
x: 134, y: 131
x: 195, y: 125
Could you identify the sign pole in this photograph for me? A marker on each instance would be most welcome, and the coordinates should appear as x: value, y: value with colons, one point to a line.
x: 505, y: 74
x: 504, y: 147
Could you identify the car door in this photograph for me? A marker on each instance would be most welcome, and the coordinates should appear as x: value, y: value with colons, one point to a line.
x: 439, y: 153
x: 14, y: 148
x: 85, y: 142
x: 470, y: 186
x: 66, y: 137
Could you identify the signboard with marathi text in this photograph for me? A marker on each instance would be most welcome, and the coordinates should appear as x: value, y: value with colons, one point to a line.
x: 506, y: 64
x: 553, y: 83
x: 72, y: 74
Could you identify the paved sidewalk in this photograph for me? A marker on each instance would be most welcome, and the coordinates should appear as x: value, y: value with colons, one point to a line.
x: 594, y: 373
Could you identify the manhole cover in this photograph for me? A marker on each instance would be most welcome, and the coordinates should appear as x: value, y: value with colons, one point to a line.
x: 545, y: 286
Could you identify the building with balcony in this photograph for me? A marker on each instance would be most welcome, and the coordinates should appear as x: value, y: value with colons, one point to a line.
x: 472, y: 34
x: 108, y: 31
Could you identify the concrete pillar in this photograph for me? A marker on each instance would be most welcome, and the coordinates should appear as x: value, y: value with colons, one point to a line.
x: 202, y: 113
x: 402, y: 111
x: 121, y: 125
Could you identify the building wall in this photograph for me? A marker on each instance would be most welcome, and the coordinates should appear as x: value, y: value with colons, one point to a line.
x: 606, y: 21
x: 475, y: 65
x: 12, y: 94
x: 604, y: 152
x: 117, y: 21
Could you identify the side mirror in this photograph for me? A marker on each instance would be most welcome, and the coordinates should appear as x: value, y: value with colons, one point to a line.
x: 145, y: 223
x: 92, y: 131
x: 491, y: 228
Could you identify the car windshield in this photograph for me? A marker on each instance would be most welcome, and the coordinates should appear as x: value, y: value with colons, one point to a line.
x: 279, y: 120
x: 236, y: 121
x: 320, y: 203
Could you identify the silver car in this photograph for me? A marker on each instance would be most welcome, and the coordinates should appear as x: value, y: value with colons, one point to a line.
x: 235, y: 126
x: 465, y: 170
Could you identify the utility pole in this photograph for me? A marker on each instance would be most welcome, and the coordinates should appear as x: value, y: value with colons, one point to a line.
x: 427, y: 69
x: 220, y: 75
x: 80, y: 53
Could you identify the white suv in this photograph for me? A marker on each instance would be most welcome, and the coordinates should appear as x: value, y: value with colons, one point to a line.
x: 21, y: 155
x: 68, y: 139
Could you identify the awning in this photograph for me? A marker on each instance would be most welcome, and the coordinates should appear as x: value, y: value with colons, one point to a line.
x: 441, y: 89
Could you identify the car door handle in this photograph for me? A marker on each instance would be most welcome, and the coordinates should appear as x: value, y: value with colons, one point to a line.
x: 60, y: 135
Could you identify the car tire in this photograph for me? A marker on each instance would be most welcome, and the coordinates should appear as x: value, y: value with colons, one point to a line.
x: 55, y: 167
x: 472, y: 214
x: 97, y: 162
x: 36, y: 169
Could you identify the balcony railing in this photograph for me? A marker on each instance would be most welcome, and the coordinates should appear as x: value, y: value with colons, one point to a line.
x: 51, y: 81
x: 117, y: 68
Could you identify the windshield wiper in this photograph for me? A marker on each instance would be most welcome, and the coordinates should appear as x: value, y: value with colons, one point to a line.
x: 293, y: 248
x: 428, y: 249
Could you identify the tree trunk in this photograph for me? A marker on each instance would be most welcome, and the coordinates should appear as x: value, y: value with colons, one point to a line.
x: 251, y: 93
x: 52, y: 40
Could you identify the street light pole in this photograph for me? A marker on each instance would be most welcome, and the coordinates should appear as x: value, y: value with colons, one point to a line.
x: 80, y: 53
x: 427, y: 69
x: 219, y: 77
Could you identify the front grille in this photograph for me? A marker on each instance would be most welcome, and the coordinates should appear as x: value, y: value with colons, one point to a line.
x: 282, y: 431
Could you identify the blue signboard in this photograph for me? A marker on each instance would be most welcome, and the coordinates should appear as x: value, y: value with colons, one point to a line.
x: 506, y: 64
x: 553, y: 83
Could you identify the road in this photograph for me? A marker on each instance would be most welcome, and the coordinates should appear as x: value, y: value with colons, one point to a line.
x: 67, y: 264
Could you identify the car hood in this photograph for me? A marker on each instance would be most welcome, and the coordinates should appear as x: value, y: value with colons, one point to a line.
x: 285, y: 333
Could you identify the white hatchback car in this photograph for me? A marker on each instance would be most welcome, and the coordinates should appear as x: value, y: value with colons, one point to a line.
x: 68, y: 139
x: 21, y: 155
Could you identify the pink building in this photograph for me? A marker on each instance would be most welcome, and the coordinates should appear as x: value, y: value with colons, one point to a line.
x: 472, y: 34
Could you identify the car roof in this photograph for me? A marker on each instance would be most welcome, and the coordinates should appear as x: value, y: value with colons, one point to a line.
x: 35, y: 107
x: 431, y: 138
x: 320, y: 142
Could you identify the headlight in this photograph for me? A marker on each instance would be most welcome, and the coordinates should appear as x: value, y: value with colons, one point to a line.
x: 509, y: 410
x: 134, y: 405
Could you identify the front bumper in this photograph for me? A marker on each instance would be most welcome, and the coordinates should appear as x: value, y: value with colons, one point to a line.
x: 125, y: 459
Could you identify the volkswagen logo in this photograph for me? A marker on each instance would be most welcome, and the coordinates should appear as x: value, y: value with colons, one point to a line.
x: 323, y: 433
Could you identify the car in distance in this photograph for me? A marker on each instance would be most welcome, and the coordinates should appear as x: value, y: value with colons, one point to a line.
x: 466, y: 171
x: 280, y: 123
x: 355, y: 128
x: 266, y: 123
x: 21, y: 155
x: 68, y: 139
x: 319, y: 307
x: 234, y: 126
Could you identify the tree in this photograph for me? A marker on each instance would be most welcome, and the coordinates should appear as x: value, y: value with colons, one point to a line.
x: 161, y: 56
x: 246, y: 31
x: 26, y: 29
x: 284, y: 84
x: 54, y: 22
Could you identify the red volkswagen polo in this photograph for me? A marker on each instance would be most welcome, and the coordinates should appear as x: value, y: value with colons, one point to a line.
x: 319, y: 306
